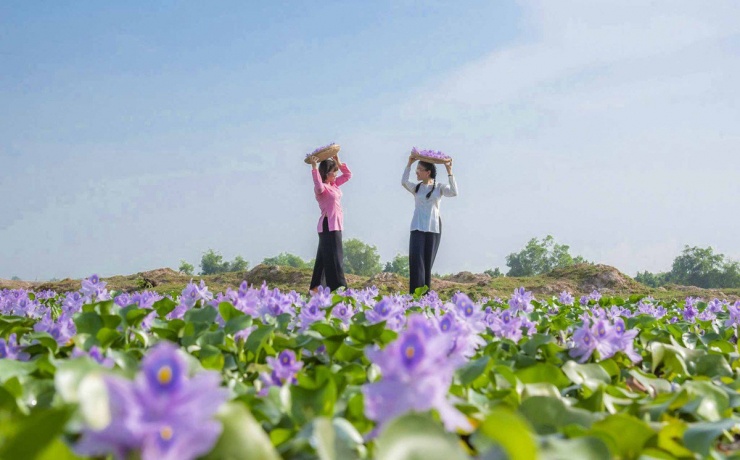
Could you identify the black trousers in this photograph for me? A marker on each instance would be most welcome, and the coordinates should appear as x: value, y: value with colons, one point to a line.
x: 422, y: 252
x: 329, y: 267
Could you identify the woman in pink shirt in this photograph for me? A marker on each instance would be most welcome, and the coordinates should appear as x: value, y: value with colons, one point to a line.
x: 329, y: 268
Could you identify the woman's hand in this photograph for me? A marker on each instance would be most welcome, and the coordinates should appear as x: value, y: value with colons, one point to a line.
x: 314, y: 161
x: 448, y: 165
x: 412, y: 158
x: 336, y: 160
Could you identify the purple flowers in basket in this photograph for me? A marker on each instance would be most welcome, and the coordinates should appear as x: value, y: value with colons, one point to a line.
x: 430, y: 154
x: 320, y: 149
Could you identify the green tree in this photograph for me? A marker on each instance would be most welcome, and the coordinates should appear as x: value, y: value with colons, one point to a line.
x: 186, y: 268
x: 703, y: 268
x: 212, y: 262
x: 287, y: 259
x: 399, y: 265
x: 360, y: 258
x: 652, y: 279
x: 496, y: 273
x: 238, y: 265
x: 15, y: 278
x: 540, y: 257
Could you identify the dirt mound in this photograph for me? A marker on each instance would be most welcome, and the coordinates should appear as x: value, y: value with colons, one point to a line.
x: 481, y: 279
x: 602, y: 278
x: 15, y: 284
x: 159, y: 276
x: 278, y: 275
x: 390, y: 281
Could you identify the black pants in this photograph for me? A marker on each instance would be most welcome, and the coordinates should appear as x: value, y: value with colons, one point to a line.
x: 329, y: 267
x: 422, y: 252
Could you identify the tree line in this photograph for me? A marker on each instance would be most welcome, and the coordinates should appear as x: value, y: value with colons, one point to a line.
x: 695, y: 266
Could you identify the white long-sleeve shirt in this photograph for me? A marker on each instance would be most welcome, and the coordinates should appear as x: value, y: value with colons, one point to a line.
x: 426, y: 211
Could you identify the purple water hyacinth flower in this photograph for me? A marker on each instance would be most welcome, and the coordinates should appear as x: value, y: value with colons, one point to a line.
x: 247, y: 300
x: 584, y: 343
x: 11, y: 349
x: 383, y: 310
x: 625, y: 340
x: 692, y: 301
x: 566, y: 298
x: 595, y: 295
x: 673, y: 320
x: 706, y: 315
x: 309, y: 314
x: 123, y: 300
x: 522, y: 300
x: 96, y: 354
x: 73, y: 302
x: 323, y: 297
x: 284, y: 370
x: 163, y: 414
x: 690, y: 312
x: 607, y: 342
x: 734, y: 311
x: 430, y: 153
x: 507, y: 325
x: 344, y: 312
x: 416, y: 374
x: 276, y: 304
x: 62, y: 330
x: 94, y: 287
x: 716, y: 306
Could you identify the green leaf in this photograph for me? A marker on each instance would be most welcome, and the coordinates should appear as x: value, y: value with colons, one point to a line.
x: 88, y: 323
x: 543, y: 373
x: 700, y: 437
x: 228, y: 311
x: 415, y: 437
x: 10, y: 368
x: 548, y: 415
x: 589, y: 375
x: 211, y: 357
x: 34, y: 433
x: 44, y: 339
x: 107, y: 336
x: 257, y: 338
x: 584, y: 447
x: 133, y: 315
x: 164, y: 306
x: 366, y: 334
x: 625, y: 435
x: 329, y: 443
x: 242, y: 438
x: 473, y: 370
x: 206, y: 315
x: 508, y: 431
x: 237, y: 323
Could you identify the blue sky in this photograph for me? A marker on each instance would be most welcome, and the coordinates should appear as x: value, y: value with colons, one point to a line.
x: 135, y: 135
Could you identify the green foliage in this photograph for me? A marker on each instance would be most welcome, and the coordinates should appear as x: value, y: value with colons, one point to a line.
x: 540, y: 257
x: 186, y: 268
x: 15, y: 278
x: 287, y: 259
x: 212, y: 263
x: 360, y: 258
x: 495, y: 273
x: 699, y: 267
x: 399, y: 265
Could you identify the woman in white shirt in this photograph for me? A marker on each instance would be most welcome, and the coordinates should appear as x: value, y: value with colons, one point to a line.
x: 426, y: 225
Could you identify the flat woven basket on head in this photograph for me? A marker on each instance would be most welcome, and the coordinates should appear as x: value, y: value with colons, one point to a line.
x: 430, y: 156
x: 323, y: 153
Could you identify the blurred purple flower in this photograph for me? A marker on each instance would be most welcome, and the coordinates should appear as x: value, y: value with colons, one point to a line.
x: 284, y: 370
x: 566, y: 298
x: 416, y: 375
x: 584, y: 343
x: 11, y: 349
x: 521, y: 300
x: 163, y: 414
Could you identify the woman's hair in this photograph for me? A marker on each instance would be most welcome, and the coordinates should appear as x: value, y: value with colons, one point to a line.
x: 432, y: 173
x: 325, y: 167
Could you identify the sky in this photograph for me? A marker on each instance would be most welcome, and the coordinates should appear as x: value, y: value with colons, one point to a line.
x: 134, y: 135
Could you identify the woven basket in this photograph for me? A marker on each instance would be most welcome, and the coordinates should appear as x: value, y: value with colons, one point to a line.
x: 432, y: 160
x: 324, y: 154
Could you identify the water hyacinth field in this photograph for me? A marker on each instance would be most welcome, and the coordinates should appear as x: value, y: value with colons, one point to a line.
x: 256, y: 373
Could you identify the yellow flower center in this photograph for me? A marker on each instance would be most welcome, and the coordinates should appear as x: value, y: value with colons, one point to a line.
x: 166, y: 433
x: 410, y: 352
x: 164, y: 375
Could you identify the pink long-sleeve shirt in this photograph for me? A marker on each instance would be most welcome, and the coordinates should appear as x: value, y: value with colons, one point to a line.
x: 329, y: 197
